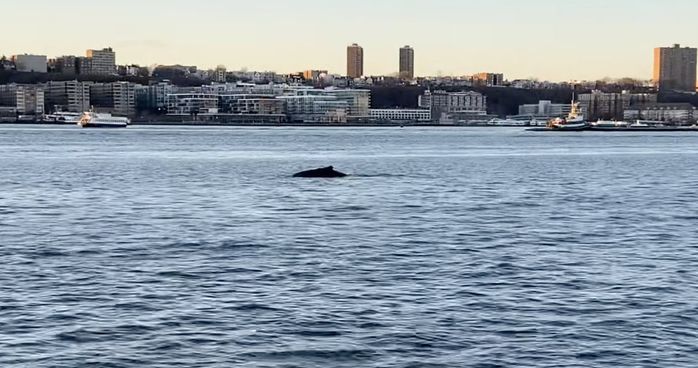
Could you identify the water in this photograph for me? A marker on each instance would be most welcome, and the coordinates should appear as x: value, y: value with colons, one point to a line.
x: 193, y: 247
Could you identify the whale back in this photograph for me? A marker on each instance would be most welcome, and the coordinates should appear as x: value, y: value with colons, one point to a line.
x: 324, y: 172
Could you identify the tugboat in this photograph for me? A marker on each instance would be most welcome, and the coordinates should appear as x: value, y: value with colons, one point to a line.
x: 573, y: 122
x: 90, y: 119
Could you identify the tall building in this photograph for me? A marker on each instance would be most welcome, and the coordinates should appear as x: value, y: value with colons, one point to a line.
x: 31, y: 63
x: 118, y: 98
x: 675, y: 68
x: 355, y: 61
x: 70, y: 96
x: 407, y: 62
x: 101, y: 62
x: 26, y: 99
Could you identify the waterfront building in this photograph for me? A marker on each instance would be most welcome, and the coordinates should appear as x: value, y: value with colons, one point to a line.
x: 448, y: 106
x: 315, y: 108
x: 412, y: 115
x: 23, y: 99
x: 453, y: 101
x: 192, y: 104
x: 355, y: 61
x: 117, y: 98
x: 69, y: 96
x: 407, y: 63
x: 30, y: 63
x: 675, y: 113
x: 250, y: 104
x: 99, y: 62
x: 545, y: 109
x: 358, y: 102
x: 611, y: 106
x: 675, y: 68
x: 488, y: 79
x: 154, y: 96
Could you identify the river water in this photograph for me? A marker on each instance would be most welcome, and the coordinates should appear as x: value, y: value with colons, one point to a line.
x: 194, y: 247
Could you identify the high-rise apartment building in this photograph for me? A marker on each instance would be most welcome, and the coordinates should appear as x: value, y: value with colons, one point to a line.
x: 26, y: 99
x: 406, y: 62
x: 355, y: 61
x: 118, y: 98
x: 70, y: 96
x: 101, y: 62
x: 675, y: 68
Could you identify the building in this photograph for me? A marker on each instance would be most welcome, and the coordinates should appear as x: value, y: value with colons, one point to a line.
x: 488, y: 79
x: 66, y: 64
x: 448, y: 106
x: 411, y: 115
x: 70, y: 96
x: 358, y: 102
x: 311, y: 108
x: 600, y: 105
x: 24, y: 99
x: 220, y: 75
x: 453, y: 101
x: 100, y: 62
x: 675, y: 68
x: 251, y: 104
x: 355, y: 61
x: 545, y: 109
x: 192, y: 104
x: 30, y: 63
x: 83, y: 65
x: 154, y: 97
x: 676, y: 113
x: 407, y: 63
x: 314, y: 75
x: 118, y: 98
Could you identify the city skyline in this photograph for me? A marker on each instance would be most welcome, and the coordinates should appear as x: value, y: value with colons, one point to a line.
x: 546, y: 40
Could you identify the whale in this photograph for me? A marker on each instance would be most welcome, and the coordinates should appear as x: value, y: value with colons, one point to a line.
x: 324, y: 172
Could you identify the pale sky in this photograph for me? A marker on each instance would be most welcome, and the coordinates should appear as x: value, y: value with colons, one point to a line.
x: 547, y: 39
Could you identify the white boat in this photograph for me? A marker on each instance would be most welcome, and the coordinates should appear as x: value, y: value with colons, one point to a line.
x: 507, y: 122
x: 63, y: 117
x: 91, y: 119
x: 609, y: 124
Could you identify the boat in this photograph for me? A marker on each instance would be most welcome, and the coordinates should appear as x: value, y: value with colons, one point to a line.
x: 62, y: 117
x: 573, y: 122
x: 507, y: 122
x: 609, y: 124
x: 90, y: 119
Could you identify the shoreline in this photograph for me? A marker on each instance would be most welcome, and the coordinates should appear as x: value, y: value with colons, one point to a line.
x: 364, y: 125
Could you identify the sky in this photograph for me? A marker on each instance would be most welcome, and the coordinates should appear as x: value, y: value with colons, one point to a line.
x: 545, y: 39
